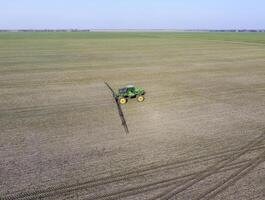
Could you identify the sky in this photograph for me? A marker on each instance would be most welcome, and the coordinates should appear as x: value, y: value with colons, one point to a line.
x: 132, y: 14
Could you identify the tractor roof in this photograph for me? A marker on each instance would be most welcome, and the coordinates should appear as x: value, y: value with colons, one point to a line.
x: 130, y: 86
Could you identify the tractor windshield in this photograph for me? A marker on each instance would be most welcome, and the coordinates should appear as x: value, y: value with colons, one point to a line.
x: 122, y: 90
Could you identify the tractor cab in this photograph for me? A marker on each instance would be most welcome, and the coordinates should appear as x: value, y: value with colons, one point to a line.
x: 130, y: 88
x: 123, y: 91
x: 127, y: 90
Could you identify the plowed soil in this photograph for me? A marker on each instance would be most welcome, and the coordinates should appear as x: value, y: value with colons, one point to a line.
x: 199, y: 134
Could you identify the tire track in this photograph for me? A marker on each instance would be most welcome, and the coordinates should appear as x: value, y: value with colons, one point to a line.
x: 243, y: 171
x: 154, y: 185
x: 122, y: 176
x: 115, y: 194
x: 37, y: 111
x: 209, y: 171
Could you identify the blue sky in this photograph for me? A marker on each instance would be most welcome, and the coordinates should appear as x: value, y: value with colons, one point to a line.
x: 133, y: 14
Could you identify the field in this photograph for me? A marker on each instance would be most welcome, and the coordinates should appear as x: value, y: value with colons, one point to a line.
x: 200, y: 133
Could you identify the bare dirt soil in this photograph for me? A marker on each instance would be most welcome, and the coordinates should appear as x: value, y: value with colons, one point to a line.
x: 199, y: 134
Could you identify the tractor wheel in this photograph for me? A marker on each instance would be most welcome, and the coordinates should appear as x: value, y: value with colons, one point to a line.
x: 122, y: 101
x: 140, y: 98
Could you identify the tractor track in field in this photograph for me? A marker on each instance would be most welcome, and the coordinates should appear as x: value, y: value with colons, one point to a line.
x: 123, y: 120
x: 41, y: 112
x: 52, y: 191
x: 64, y: 107
x: 50, y: 107
x: 168, y: 194
x: 241, y: 172
x: 153, y: 185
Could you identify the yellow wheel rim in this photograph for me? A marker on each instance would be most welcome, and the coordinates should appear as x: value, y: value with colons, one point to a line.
x: 122, y: 101
x: 140, y: 99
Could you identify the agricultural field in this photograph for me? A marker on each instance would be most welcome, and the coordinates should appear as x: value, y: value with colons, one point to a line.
x: 199, y: 134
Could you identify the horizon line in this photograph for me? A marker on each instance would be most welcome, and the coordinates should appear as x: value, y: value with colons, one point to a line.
x: 128, y: 29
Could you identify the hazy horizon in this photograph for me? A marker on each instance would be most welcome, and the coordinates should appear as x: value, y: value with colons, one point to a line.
x: 137, y: 15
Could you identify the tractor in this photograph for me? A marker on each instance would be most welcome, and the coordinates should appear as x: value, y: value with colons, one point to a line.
x: 130, y: 91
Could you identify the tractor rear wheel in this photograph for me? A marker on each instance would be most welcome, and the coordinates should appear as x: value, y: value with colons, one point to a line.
x: 122, y: 100
x: 140, y: 98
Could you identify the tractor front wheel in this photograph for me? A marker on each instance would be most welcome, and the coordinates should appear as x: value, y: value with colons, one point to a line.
x: 122, y: 101
x: 140, y: 98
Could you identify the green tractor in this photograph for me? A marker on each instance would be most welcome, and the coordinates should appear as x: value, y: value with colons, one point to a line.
x: 130, y: 91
